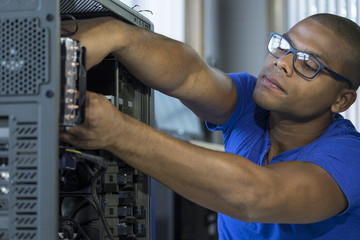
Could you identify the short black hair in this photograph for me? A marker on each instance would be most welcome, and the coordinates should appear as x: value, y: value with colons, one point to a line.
x: 348, y: 31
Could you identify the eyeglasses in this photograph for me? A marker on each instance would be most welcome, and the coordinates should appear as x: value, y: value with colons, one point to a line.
x: 304, y: 63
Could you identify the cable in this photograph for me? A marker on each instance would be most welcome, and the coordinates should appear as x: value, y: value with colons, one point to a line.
x: 97, y: 203
x: 142, y: 10
x: 71, y: 17
x: 101, y: 162
x: 72, y: 150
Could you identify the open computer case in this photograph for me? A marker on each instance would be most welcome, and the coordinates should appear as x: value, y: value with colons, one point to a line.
x: 48, y: 189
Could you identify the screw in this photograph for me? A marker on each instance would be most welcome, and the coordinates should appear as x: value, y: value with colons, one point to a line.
x: 49, y: 17
x: 49, y: 94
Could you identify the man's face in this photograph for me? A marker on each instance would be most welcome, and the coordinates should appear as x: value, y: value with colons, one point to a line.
x: 281, y: 89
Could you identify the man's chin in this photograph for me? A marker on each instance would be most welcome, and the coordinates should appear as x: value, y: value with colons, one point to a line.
x: 260, y: 98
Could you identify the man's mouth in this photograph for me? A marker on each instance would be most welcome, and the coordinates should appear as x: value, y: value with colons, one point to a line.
x: 272, y: 83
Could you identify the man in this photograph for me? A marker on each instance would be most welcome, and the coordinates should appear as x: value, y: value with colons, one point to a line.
x: 291, y: 169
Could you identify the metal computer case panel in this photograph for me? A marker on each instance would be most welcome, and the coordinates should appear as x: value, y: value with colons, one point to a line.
x: 29, y: 59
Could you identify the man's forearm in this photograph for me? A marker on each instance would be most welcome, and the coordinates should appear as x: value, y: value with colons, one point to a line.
x: 216, y: 180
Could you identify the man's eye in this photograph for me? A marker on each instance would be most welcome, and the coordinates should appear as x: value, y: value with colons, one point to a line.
x: 310, y: 65
x: 282, y: 49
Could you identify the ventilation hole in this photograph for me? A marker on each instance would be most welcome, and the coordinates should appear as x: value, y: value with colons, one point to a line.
x: 22, y: 41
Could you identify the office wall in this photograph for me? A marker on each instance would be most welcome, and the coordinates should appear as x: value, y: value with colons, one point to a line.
x: 236, y: 33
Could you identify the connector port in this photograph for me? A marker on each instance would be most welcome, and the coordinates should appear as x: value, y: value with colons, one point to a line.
x: 4, y: 147
x: 4, y: 161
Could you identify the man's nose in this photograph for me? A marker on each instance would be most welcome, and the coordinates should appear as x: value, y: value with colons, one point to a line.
x: 285, y: 63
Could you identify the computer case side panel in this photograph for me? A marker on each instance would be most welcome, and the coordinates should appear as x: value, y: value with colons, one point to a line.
x: 29, y: 100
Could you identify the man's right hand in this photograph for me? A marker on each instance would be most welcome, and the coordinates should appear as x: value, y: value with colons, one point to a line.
x: 102, y: 126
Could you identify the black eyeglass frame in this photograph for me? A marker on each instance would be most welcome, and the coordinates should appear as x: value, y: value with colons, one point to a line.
x: 335, y: 75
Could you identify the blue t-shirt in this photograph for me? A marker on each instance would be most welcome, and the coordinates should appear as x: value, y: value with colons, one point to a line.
x: 337, y: 150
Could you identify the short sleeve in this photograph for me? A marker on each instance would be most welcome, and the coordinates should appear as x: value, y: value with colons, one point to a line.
x: 340, y: 157
x: 245, y: 84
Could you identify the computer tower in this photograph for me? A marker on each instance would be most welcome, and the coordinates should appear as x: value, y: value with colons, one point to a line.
x: 47, y: 187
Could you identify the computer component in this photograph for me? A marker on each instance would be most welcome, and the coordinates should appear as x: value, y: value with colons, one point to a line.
x: 116, y: 8
x: 50, y: 190
x: 124, y: 194
x: 72, y: 83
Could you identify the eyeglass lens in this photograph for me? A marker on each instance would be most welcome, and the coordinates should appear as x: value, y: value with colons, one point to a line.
x: 304, y: 63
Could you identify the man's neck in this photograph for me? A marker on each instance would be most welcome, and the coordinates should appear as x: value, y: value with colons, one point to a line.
x: 287, y: 134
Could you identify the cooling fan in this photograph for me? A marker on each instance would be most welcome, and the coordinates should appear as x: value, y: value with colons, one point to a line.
x: 80, y: 212
x: 78, y: 219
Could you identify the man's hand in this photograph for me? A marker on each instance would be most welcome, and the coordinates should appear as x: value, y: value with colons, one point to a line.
x: 100, y: 127
x: 97, y: 35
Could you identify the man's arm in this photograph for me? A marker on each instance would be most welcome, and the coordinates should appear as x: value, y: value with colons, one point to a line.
x: 288, y: 192
x: 161, y: 63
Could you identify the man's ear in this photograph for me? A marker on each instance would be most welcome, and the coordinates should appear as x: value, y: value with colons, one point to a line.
x: 345, y: 99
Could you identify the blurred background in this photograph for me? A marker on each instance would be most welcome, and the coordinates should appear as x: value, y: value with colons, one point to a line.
x: 230, y: 35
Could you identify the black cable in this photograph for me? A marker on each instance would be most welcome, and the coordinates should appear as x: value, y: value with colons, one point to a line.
x: 71, y: 17
x: 101, y: 162
x: 97, y: 203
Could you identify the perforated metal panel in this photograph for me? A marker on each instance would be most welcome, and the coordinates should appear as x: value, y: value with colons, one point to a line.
x: 25, y: 180
x: 29, y: 106
x: 23, y: 56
